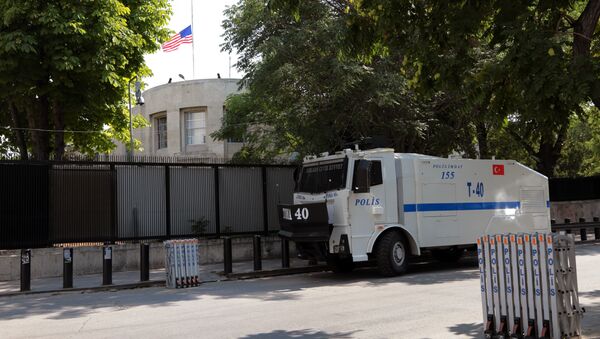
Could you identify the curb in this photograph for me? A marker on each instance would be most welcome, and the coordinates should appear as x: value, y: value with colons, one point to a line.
x: 90, y: 289
x: 277, y: 272
x: 156, y: 283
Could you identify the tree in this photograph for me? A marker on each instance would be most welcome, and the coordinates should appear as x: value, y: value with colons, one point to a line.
x: 304, y: 94
x: 542, y: 69
x: 65, y: 66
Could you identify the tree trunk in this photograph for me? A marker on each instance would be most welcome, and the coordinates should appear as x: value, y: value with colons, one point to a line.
x: 550, y: 150
x: 37, y: 117
x: 19, y: 133
x: 59, y: 136
x: 584, y: 28
x: 482, y: 140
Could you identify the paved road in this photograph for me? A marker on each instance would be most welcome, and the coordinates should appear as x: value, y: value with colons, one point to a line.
x: 431, y: 302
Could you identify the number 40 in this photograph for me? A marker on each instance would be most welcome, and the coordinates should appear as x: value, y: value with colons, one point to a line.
x: 301, y: 213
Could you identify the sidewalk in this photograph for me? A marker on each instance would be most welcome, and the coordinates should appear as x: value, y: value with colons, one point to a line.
x: 208, y: 273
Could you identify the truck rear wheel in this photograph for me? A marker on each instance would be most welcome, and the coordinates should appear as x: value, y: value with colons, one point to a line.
x: 392, y: 254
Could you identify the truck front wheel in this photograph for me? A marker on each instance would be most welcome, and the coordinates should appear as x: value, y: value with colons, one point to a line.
x: 392, y: 254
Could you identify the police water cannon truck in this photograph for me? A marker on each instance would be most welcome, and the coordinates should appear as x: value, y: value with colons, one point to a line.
x: 380, y: 206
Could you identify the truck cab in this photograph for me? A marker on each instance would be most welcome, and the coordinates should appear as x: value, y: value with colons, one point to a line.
x: 377, y: 205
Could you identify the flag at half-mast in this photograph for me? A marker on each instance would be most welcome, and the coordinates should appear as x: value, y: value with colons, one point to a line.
x: 183, y: 37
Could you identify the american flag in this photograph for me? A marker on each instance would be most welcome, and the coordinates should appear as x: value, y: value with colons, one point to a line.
x: 183, y: 37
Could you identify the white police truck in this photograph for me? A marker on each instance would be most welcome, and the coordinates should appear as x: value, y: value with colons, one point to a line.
x: 377, y: 205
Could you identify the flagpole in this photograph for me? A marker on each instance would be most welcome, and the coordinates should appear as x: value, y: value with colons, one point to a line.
x: 193, y: 46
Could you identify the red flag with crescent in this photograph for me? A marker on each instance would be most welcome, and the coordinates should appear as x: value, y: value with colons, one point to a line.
x: 498, y: 169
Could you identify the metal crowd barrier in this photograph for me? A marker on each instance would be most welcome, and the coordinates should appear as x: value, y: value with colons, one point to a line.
x: 529, y: 286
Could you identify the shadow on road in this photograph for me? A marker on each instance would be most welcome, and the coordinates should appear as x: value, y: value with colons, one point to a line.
x: 71, y: 305
x: 472, y: 330
x: 307, y: 333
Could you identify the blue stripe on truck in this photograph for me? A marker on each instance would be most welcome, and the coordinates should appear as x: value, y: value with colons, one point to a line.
x: 461, y: 206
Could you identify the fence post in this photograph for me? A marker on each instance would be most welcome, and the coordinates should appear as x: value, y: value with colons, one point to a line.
x: 168, y: 200
x: 113, y: 205
x: 568, y: 221
x: 257, y: 253
x: 596, y: 229
x: 107, y: 265
x: 583, y: 231
x: 25, y: 270
x: 144, y: 262
x: 264, y: 200
x: 227, y: 257
x: 217, y: 203
x: 67, y: 267
x: 285, y: 253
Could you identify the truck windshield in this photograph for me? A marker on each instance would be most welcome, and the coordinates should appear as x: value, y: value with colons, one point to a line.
x: 323, y: 176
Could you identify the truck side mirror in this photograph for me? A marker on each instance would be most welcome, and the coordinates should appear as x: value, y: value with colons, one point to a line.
x: 361, y: 180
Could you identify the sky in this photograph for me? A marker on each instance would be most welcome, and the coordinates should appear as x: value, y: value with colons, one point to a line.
x: 207, y: 56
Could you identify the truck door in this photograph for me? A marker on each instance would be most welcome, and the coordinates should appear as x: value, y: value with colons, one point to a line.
x: 366, y: 209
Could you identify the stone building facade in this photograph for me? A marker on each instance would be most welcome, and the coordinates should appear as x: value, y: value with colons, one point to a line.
x: 182, y: 115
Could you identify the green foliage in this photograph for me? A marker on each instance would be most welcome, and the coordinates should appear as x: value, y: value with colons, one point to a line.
x: 531, y: 60
x: 65, y: 65
x: 199, y: 225
x: 304, y: 94
x: 499, y: 78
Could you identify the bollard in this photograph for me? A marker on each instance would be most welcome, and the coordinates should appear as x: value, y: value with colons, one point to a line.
x: 568, y: 221
x: 285, y: 253
x: 25, y: 270
x: 257, y: 253
x: 596, y: 229
x: 144, y: 262
x: 107, y: 265
x: 227, y: 258
x: 583, y: 231
x: 67, y: 268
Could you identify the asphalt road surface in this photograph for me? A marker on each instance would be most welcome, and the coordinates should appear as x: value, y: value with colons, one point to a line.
x: 433, y: 301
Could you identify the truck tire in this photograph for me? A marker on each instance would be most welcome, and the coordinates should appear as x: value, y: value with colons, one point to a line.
x: 448, y: 255
x: 340, y: 265
x: 392, y: 254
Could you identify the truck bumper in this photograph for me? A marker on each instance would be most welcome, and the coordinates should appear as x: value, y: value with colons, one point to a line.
x: 304, y: 222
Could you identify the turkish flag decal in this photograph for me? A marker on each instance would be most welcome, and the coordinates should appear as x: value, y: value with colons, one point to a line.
x: 498, y: 169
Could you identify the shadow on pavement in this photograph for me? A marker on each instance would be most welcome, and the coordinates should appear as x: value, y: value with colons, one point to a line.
x: 72, y: 305
x: 591, y: 318
x: 473, y: 330
x: 307, y: 333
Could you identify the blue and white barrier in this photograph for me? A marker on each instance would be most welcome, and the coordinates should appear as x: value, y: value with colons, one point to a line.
x: 529, y: 286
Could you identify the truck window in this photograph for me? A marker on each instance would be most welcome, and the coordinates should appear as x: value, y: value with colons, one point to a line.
x: 323, y: 177
x: 375, y: 173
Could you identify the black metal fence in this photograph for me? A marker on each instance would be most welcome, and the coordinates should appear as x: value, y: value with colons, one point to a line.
x: 42, y: 204
x: 570, y: 189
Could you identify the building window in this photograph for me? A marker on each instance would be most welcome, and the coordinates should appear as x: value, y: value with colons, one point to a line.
x: 161, y: 132
x: 195, y: 128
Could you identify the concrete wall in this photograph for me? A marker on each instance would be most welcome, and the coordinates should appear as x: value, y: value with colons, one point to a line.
x: 559, y: 210
x: 47, y: 262
x: 172, y: 100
